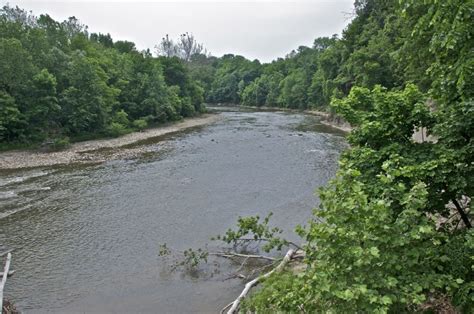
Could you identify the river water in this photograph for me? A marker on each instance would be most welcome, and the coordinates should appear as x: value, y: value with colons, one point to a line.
x: 87, y: 238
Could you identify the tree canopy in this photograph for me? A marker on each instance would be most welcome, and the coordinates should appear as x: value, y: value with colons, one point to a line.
x: 59, y: 80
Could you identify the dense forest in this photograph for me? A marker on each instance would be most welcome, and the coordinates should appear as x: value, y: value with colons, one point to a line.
x: 57, y: 81
x: 393, y: 232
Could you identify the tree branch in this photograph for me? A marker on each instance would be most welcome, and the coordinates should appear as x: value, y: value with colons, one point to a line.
x: 4, y: 278
x: 247, y: 256
x: 463, y: 215
x: 250, y: 284
x: 268, y: 240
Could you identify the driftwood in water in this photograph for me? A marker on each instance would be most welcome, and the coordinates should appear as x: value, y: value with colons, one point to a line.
x: 234, y: 306
x: 247, y: 256
x: 4, y: 278
x: 10, y: 273
x: 5, y: 253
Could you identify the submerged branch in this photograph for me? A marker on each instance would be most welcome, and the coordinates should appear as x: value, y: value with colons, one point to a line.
x: 247, y: 256
x: 268, y: 240
x: 4, y: 278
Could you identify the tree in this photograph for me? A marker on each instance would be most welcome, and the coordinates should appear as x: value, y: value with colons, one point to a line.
x: 87, y: 101
x: 16, y: 66
x: 43, y: 105
x: 18, y: 15
x: 166, y: 47
x: 11, y: 120
x: 188, y: 46
x: 72, y: 26
x: 124, y: 46
x: 293, y: 90
x: 56, y: 79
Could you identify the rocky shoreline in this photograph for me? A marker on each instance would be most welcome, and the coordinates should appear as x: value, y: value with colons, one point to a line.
x: 97, y: 151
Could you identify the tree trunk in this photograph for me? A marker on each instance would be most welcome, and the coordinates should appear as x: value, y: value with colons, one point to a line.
x: 463, y: 215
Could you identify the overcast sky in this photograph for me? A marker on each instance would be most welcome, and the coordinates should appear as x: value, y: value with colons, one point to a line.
x: 255, y: 29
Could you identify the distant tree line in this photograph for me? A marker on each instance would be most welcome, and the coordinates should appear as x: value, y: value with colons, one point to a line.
x: 57, y: 80
x: 372, y: 50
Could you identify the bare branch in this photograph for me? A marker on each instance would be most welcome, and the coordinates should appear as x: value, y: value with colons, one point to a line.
x: 267, y: 240
x: 4, y: 278
x: 250, y: 284
x: 230, y: 255
x: 166, y: 47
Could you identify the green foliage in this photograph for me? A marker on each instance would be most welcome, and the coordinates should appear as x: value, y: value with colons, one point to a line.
x: 268, y: 300
x: 191, y: 258
x: 375, y: 245
x: 293, y: 90
x: 232, y: 75
x: 119, y: 124
x: 187, y: 109
x: 60, y: 143
x: 164, y: 250
x: 12, y: 122
x: 116, y: 129
x: 461, y: 248
x: 255, y: 94
x: 57, y: 78
x: 251, y: 229
x: 140, y: 124
x: 121, y: 117
x: 369, y: 53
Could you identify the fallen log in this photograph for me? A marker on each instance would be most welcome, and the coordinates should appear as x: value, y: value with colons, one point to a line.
x: 10, y: 273
x: 231, y: 254
x: 5, y: 253
x: 4, y: 278
x: 235, y: 305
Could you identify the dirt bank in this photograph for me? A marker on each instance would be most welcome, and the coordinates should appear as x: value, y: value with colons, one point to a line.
x: 97, y: 150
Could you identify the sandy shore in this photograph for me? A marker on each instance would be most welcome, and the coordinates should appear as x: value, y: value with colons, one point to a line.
x: 96, y: 151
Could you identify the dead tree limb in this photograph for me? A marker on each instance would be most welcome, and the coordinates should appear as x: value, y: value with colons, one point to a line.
x: 4, y: 278
x: 226, y: 307
x: 267, y: 240
x: 250, y: 284
x: 247, y: 256
x: 10, y: 273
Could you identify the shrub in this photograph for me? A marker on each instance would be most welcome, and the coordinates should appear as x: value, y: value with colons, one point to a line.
x: 140, y: 124
x: 121, y: 117
x: 187, y: 110
x: 60, y: 143
x: 116, y: 129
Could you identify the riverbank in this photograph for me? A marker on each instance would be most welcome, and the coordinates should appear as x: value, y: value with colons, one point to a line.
x: 97, y: 151
x: 327, y: 118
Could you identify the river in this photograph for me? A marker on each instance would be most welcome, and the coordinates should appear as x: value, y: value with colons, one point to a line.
x: 87, y: 238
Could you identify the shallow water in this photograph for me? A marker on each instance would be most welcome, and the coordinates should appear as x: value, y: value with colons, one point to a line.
x: 87, y: 238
